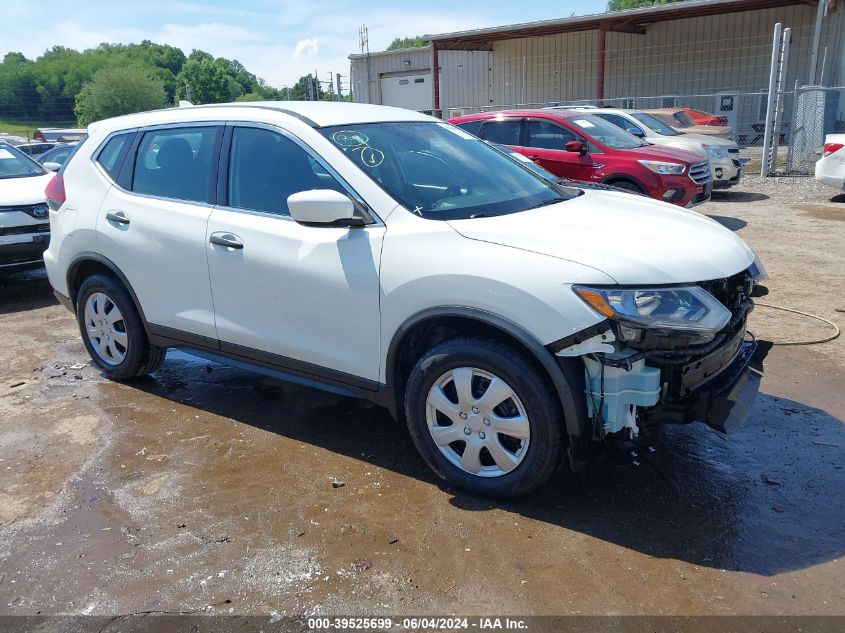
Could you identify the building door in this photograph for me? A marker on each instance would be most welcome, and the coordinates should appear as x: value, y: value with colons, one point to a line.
x: 413, y: 92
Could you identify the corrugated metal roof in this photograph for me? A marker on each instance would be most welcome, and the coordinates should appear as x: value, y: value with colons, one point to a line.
x: 629, y: 20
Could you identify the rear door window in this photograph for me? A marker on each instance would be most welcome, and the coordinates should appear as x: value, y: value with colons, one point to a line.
x: 176, y: 163
x: 502, y: 132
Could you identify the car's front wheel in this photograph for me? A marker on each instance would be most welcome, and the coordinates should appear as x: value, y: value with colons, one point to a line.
x: 112, y: 331
x: 484, y: 417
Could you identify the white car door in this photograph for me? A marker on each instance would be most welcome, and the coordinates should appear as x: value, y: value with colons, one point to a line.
x: 155, y: 231
x: 302, y: 297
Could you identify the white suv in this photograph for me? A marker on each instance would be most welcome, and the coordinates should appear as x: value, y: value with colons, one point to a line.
x: 379, y: 252
x: 723, y: 154
x: 24, y: 227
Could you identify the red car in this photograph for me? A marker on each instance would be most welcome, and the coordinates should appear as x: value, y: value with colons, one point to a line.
x: 579, y: 146
x: 699, y: 117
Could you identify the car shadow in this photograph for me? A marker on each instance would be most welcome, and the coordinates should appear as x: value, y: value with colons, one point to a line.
x: 734, y: 224
x: 25, y: 290
x: 838, y: 199
x: 730, y: 195
x: 764, y: 501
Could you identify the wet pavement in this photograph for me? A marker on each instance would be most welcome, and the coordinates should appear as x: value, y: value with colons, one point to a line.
x: 205, y: 485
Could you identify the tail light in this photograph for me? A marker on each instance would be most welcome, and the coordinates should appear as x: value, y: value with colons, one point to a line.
x: 831, y: 148
x: 55, y: 192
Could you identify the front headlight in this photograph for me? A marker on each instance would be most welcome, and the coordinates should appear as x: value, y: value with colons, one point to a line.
x: 714, y: 150
x: 663, y: 168
x: 757, y: 270
x: 687, y: 308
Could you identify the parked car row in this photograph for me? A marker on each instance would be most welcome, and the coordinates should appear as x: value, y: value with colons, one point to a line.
x: 580, y: 145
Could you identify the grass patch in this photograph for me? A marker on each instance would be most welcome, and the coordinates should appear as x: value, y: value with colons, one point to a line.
x: 26, y: 128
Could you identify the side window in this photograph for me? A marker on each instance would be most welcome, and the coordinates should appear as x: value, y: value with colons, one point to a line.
x: 619, y: 122
x: 545, y: 135
x: 266, y: 167
x: 502, y: 132
x: 175, y: 163
x: 473, y: 127
x: 111, y: 156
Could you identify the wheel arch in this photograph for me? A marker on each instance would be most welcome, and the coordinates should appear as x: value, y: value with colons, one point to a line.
x: 435, y: 324
x: 86, y: 264
x: 615, y: 178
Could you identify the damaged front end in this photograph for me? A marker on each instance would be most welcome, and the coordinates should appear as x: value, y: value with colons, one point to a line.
x: 668, y: 355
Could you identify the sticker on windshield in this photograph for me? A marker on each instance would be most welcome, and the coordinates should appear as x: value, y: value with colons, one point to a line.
x: 4, y: 153
x: 350, y: 138
x: 372, y: 157
x: 458, y: 131
x: 583, y: 123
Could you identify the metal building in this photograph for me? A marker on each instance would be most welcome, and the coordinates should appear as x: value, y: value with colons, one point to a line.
x: 714, y: 55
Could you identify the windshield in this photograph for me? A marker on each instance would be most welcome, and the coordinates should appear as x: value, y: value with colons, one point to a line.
x: 15, y: 164
x: 655, y: 124
x: 440, y: 172
x: 604, y: 132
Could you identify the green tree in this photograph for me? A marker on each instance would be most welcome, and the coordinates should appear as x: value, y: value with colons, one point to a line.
x: 619, y: 5
x: 116, y: 91
x: 203, y: 81
x: 250, y: 96
x: 407, y: 42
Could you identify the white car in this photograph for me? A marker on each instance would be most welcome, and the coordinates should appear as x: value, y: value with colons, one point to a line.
x: 24, y: 223
x: 725, y: 162
x: 382, y: 253
x: 830, y: 168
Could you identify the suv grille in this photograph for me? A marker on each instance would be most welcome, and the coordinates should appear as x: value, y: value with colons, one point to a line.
x: 24, y: 230
x: 733, y: 150
x: 700, y: 173
x: 38, y: 211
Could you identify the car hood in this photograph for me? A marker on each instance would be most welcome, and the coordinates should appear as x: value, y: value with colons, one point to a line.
x: 633, y: 239
x: 26, y: 190
x: 662, y: 152
x: 704, y: 138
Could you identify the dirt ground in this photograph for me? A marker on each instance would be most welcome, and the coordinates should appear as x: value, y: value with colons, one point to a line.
x: 208, y: 488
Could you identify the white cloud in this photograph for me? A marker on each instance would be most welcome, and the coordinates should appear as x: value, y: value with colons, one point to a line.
x: 306, y: 48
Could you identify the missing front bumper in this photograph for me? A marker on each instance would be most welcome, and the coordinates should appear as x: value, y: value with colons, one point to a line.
x: 723, y: 402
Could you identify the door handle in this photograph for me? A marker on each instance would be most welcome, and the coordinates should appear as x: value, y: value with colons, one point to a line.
x: 226, y: 239
x: 117, y: 216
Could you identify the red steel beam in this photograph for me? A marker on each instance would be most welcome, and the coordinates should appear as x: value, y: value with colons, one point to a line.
x: 602, y: 46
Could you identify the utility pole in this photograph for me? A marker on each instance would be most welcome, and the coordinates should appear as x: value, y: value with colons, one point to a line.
x: 339, y: 96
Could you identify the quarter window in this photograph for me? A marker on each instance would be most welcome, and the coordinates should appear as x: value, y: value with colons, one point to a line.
x: 111, y: 156
x: 266, y: 168
x: 176, y: 163
x: 545, y: 135
x: 502, y: 132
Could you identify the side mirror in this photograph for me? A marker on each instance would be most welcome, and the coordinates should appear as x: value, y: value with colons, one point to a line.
x: 635, y: 131
x: 323, y: 207
x: 576, y: 146
x: 51, y: 166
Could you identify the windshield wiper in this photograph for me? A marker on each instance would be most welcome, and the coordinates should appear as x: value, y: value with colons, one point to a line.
x: 547, y: 203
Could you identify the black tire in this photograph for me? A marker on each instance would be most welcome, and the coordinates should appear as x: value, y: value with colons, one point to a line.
x: 546, y: 446
x: 141, y: 358
x: 627, y: 185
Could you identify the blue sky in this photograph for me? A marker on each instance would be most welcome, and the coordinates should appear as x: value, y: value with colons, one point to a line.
x: 278, y: 40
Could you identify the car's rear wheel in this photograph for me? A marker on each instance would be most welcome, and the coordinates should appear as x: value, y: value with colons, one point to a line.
x: 112, y: 331
x: 484, y: 417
